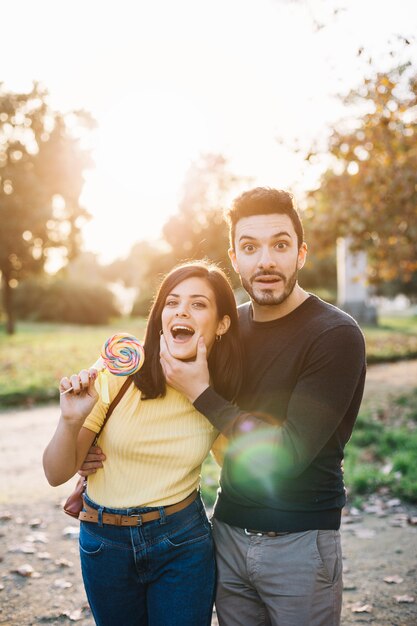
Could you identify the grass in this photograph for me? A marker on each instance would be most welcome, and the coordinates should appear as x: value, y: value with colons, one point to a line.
x: 393, y: 339
x: 382, y: 452
x: 33, y: 360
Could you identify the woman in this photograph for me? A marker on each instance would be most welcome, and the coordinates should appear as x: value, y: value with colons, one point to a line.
x: 161, y: 571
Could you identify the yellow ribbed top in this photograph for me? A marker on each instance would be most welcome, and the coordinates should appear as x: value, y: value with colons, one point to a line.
x: 154, y: 449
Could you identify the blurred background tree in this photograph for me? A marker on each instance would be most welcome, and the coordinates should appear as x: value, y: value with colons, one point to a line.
x: 195, y: 231
x: 369, y: 191
x: 41, y: 178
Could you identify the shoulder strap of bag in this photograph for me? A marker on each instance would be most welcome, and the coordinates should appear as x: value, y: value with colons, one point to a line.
x: 114, y: 403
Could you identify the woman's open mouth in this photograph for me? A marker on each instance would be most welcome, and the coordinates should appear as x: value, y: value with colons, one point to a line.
x: 181, y: 333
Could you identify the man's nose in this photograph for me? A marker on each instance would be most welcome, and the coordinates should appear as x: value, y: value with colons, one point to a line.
x: 266, y: 260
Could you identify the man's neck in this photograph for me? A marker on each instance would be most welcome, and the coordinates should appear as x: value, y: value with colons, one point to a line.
x: 270, y: 312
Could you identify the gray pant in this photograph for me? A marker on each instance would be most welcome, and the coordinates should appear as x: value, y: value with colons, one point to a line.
x: 289, y: 580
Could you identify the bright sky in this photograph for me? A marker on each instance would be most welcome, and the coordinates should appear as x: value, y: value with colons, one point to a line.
x: 167, y: 80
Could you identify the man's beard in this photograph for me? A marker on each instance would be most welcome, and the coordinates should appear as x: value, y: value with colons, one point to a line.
x: 267, y: 297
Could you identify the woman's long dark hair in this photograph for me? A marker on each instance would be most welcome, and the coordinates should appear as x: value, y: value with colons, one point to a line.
x: 225, y: 359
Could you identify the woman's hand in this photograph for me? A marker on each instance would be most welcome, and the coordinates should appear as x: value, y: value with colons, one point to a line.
x: 78, y: 403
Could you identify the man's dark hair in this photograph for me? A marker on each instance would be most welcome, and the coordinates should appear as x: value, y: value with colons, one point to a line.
x: 264, y: 201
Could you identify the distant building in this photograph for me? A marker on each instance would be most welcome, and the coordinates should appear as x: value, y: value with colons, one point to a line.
x: 352, y: 285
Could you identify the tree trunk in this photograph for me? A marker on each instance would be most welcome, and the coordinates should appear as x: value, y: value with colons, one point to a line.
x: 7, y: 304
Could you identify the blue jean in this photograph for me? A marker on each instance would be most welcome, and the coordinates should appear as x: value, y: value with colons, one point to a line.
x: 158, y: 574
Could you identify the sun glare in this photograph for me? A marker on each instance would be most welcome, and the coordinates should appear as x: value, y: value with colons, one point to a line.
x: 145, y: 143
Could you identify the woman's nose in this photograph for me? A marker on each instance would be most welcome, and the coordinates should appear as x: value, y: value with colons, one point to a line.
x: 182, y: 313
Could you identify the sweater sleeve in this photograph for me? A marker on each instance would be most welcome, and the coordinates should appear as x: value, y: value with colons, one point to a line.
x: 330, y: 383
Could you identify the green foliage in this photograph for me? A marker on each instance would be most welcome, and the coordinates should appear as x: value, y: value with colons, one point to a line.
x: 64, y: 301
x: 382, y: 450
x: 395, y: 338
x: 369, y: 193
x: 41, y: 178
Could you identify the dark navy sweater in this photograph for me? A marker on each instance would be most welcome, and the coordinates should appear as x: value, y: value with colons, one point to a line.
x: 302, y: 387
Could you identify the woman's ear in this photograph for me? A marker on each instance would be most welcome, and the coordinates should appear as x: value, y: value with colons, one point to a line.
x: 223, y: 326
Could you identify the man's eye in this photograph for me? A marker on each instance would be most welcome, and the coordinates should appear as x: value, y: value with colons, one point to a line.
x: 281, y: 245
x: 249, y: 247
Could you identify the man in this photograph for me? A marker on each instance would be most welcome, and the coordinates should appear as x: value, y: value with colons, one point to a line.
x: 277, y: 516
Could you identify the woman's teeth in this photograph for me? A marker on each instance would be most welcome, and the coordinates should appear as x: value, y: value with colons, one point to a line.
x: 182, y: 333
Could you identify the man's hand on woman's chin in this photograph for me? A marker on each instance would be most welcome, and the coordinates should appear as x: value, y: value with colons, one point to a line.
x: 188, y: 377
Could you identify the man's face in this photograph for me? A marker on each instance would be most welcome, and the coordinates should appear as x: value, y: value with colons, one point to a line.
x: 267, y: 257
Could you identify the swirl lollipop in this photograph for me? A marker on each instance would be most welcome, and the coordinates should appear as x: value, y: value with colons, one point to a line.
x: 121, y: 355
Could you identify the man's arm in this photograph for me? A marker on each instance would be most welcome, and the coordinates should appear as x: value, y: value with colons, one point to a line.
x: 92, y: 462
x: 330, y: 382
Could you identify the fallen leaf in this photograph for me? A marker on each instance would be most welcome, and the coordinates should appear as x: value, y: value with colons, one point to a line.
x: 394, y: 502
x: 25, y: 570
x: 71, y: 531
x: 397, y: 523
x: 60, y: 583
x: 405, y: 599
x: 36, y: 521
x: 362, y: 608
x: 393, y: 579
x: 64, y: 563
x: 74, y: 616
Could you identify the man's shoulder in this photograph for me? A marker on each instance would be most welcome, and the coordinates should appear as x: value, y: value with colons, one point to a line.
x: 329, y: 314
x: 330, y: 326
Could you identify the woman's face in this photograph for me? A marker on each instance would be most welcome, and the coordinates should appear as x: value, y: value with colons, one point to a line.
x: 190, y: 312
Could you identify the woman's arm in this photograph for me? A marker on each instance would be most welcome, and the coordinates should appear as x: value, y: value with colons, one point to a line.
x: 68, y: 447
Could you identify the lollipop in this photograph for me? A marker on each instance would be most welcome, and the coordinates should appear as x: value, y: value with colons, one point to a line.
x: 121, y: 355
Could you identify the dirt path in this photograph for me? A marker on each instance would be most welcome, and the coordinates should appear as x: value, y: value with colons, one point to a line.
x: 380, y: 543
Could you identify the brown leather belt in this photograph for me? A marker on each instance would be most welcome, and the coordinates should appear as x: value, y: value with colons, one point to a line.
x: 91, y: 515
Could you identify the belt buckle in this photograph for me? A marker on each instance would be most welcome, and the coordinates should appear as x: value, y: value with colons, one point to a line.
x: 139, y: 516
x: 252, y: 534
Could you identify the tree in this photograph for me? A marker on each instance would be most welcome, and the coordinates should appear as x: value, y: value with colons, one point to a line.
x: 369, y: 192
x: 197, y: 230
x: 137, y: 271
x: 41, y: 178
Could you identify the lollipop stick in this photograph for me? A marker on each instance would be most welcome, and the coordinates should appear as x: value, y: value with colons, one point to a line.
x: 98, y: 365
